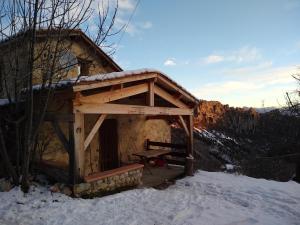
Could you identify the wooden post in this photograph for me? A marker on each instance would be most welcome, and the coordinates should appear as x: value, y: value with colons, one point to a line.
x: 183, y: 124
x: 92, y: 133
x: 189, y: 166
x: 151, y: 93
x: 73, y: 175
x: 79, y: 136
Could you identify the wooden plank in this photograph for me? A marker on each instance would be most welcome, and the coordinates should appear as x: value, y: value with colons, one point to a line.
x: 175, y: 87
x: 113, y: 172
x: 98, y: 84
x: 164, y: 144
x: 73, y: 176
x: 161, y: 117
x: 151, y: 93
x: 79, y: 143
x: 182, y: 122
x: 61, y: 135
x: 154, y: 153
x: 94, y: 131
x: 114, y: 94
x: 116, y: 87
x: 130, y: 109
x: 165, y: 95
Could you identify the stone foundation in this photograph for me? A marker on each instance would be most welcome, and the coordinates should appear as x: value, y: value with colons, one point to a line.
x: 110, y: 181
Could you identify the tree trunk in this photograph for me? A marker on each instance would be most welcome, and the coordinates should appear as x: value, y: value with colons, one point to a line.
x: 7, y: 162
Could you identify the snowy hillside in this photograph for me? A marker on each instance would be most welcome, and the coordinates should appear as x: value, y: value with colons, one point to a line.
x: 222, y: 146
x: 207, y: 198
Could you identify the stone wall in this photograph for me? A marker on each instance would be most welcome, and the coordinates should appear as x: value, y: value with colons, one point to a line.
x: 18, y: 56
x: 110, y: 182
x: 134, y: 130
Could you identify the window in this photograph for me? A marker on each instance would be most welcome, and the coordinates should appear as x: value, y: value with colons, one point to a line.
x: 84, y: 67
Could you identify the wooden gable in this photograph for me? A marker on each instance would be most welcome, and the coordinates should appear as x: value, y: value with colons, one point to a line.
x: 99, y: 96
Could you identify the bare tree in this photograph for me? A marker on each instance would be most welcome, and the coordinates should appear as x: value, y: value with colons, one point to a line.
x: 20, y: 22
x: 293, y: 99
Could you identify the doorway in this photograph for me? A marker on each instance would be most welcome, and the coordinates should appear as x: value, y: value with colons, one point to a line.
x: 108, y: 140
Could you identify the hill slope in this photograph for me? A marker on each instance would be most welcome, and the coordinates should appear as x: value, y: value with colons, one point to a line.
x: 256, y: 143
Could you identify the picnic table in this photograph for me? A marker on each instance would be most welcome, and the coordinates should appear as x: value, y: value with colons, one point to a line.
x: 150, y: 154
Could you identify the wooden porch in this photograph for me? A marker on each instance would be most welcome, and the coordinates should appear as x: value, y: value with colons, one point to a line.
x: 148, y: 94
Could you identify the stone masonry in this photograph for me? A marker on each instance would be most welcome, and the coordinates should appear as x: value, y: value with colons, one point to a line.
x: 111, y: 182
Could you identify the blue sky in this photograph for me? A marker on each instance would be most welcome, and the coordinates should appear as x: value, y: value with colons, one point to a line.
x: 239, y: 52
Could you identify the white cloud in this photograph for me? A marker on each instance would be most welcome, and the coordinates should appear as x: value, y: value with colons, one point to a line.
x: 126, y: 4
x: 186, y: 62
x: 125, y: 9
x: 268, y: 84
x: 146, y: 25
x: 213, y: 59
x: 170, y: 62
x: 248, y: 69
x: 132, y: 28
x: 244, y: 54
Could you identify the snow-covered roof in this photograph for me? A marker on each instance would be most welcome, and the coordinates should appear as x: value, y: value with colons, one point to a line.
x: 128, y: 73
x: 111, y: 76
x: 115, y: 75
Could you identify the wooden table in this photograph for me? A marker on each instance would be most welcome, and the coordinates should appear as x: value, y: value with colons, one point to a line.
x: 150, y: 154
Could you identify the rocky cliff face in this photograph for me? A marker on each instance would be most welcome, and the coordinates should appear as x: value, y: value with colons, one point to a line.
x: 214, y: 115
x: 249, y: 123
x: 252, y: 141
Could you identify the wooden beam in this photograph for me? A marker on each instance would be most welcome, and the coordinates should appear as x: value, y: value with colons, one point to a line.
x: 189, y: 167
x: 182, y: 122
x: 73, y: 175
x: 61, y: 135
x: 116, y: 87
x: 177, y: 96
x: 175, y: 87
x: 129, y: 109
x: 165, y: 95
x: 151, y: 93
x: 114, y: 94
x: 81, y: 86
x: 94, y: 131
x: 79, y: 143
x: 162, y: 117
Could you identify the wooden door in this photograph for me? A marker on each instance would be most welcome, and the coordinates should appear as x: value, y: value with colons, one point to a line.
x: 108, y: 137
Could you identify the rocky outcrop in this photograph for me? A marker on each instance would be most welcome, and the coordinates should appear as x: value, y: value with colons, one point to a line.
x: 263, y: 145
x: 214, y: 115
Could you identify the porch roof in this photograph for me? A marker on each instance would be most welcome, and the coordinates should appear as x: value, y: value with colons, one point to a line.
x: 124, y: 74
x: 101, y: 80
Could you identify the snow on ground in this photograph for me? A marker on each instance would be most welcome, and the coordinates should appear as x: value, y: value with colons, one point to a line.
x: 208, y: 198
x: 214, y: 136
